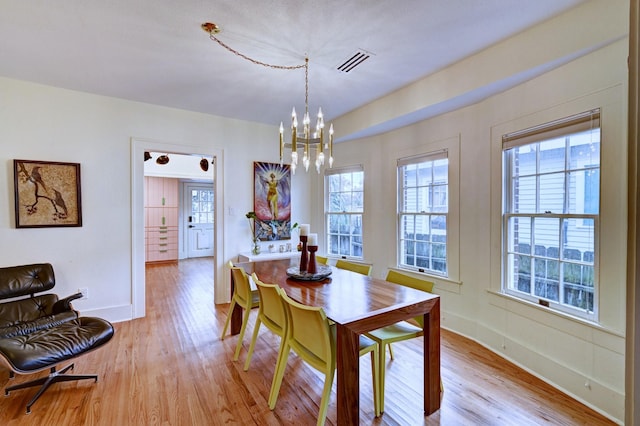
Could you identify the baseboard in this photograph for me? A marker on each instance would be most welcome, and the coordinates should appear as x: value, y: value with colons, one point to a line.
x: 610, y: 402
x: 112, y: 314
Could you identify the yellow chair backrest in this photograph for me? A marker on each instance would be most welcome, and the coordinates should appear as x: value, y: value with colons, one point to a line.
x: 242, y: 288
x: 409, y: 281
x: 271, y: 304
x: 413, y: 282
x: 322, y: 260
x: 360, y: 268
x: 309, y: 334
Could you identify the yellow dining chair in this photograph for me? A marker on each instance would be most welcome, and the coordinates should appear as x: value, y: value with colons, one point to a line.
x: 313, y: 338
x: 322, y: 260
x: 360, y: 268
x: 271, y: 312
x: 244, y: 297
x: 399, y: 331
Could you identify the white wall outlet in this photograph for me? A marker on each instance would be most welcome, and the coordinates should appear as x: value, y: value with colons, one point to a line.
x: 85, y: 293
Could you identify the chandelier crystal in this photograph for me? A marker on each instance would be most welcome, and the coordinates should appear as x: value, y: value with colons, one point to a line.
x: 306, y: 141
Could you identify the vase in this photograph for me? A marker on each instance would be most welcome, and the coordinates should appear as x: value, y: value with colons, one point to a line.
x: 256, y: 248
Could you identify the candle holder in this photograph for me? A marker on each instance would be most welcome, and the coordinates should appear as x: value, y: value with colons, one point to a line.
x: 311, y: 267
x: 303, y: 255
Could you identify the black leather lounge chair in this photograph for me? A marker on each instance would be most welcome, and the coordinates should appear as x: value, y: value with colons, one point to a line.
x: 38, y: 332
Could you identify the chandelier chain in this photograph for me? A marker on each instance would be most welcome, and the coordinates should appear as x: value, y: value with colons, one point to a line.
x: 255, y: 61
x: 309, y: 139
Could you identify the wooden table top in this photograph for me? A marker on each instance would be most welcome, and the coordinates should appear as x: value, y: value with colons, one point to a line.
x: 347, y: 297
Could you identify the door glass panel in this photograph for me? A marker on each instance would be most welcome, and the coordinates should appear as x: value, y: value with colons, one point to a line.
x: 201, y: 206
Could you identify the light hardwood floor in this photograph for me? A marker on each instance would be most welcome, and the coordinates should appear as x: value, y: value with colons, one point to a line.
x: 171, y: 368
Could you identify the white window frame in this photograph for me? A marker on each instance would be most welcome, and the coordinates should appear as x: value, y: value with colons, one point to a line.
x: 353, y: 214
x: 562, y: 128
x: 432, y: 156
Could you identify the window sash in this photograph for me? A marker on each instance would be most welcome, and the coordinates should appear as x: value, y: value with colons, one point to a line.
x: 341, y: 238
x: 550, y: 271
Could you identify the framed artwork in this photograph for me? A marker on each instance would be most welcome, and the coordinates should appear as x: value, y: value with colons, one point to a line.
x: 272, y: 201
x: 47, y: 194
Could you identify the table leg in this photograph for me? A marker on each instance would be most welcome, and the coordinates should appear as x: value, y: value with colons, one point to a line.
x: 348, y: 376
x: 432, y: 359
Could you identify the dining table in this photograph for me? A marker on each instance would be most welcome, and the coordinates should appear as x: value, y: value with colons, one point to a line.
x: 357, y: 304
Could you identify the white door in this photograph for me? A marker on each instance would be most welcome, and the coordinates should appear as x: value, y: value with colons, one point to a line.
x: 198, y: 216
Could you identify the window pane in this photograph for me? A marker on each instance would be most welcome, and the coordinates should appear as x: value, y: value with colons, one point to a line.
x: 425, y: 174
x: 441, y: 171
x: 438, y: 229
x: 519, y: 272
x: 409, y: 175
x: 524, y: 195
x: 552, y: 193
x: 333, y: 183
x: 584, y: 196
x: 334, y: 202
x: 440, y: 198
x: 345, y: 202
x: 584, y: 150
x: 546, y: 233
x: 552, y: 155
x: 439, y: 257
x: 422, y: 228
x: 358, y: 202
x: 578, y: 236
x: 358, y: 181
x: 524, y: 160
x: 520, y: 229
x: 334, y: 224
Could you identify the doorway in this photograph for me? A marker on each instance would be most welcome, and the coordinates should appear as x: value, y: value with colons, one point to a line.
x: 198, y: 209
x: 138, y: 281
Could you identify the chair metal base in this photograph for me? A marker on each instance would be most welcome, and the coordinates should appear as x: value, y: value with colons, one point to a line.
x: 53, y: 377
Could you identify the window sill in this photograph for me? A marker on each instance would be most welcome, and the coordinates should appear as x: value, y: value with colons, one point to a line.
x: 541, y: 308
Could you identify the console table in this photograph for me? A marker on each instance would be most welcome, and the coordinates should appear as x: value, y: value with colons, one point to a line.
x: 250, y: 257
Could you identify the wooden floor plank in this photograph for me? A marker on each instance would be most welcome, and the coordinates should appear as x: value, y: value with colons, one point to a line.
x: 171, y: 368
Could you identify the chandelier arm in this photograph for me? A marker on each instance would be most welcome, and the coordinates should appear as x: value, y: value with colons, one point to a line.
x: 264, y: 64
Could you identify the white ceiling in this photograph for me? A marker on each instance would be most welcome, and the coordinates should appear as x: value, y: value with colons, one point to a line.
x: 154, y: 51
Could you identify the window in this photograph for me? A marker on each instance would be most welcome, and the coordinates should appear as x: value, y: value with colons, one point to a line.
x: 551, y: 177
x: 423, y: 210
x: 344, y: 207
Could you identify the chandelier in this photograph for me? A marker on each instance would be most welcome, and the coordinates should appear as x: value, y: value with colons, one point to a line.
x: 307, y: 141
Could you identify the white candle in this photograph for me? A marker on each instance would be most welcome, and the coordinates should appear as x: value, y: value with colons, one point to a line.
x: 313, y: 240
x: 304, y: 230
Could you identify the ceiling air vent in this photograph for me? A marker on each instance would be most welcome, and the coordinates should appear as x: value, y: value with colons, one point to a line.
x: 354, y: 60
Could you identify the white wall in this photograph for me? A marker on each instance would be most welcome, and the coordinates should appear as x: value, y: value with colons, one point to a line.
x: 586, y: 360
x: 46, y: 123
